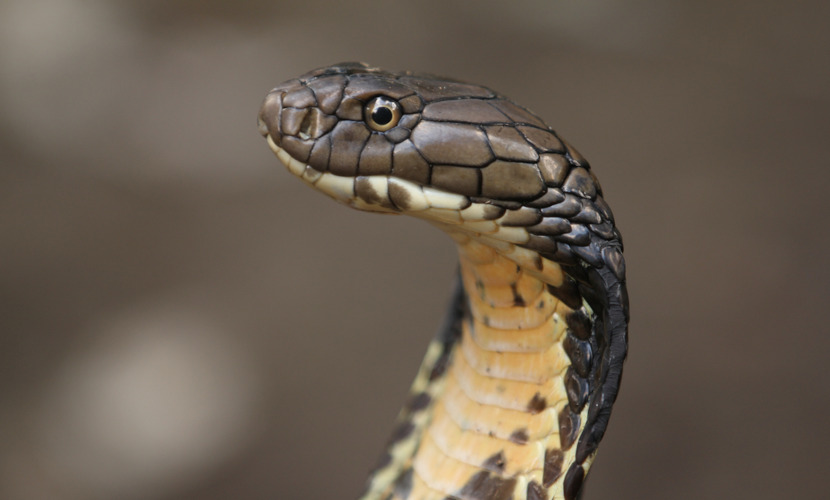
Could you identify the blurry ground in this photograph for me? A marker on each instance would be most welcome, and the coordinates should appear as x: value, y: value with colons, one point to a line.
x: 181, y: 319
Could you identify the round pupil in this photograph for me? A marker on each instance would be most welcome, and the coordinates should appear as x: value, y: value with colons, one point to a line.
x: 382, y: 115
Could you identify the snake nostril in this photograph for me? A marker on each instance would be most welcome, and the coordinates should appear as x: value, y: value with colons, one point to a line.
x: 308, y: 126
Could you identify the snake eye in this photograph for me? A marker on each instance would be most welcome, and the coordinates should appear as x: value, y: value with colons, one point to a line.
x: 382, y: 113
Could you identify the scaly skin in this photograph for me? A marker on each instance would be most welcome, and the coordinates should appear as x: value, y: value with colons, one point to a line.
x: 515, y: 393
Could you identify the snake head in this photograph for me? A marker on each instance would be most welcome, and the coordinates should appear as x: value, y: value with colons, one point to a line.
x: 458, y: 155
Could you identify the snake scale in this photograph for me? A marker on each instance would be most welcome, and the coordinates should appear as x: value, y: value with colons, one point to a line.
x: 515, y: 392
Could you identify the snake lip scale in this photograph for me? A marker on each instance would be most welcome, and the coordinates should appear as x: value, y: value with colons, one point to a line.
x: 515, y: 392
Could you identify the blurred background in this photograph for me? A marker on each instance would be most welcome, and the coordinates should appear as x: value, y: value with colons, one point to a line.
x: 182, y: 319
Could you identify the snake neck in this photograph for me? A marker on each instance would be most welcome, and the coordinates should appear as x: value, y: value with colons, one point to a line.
x: 489, y: 416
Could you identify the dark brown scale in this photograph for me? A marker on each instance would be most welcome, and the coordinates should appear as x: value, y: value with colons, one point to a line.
x: 578, y: 235
x: 568, y: 428
x: 435, y: 89
x: 604, y: 209
x: 452, y: 144
x: 580, y: 183
x: 298, y: 148
x: 384, y: 460
x: 492, y: 212
x: 612, y: 256
x: 419, y: 402
x: 519, y: 436
x: 577, y: 389
x: 537, y: 404
x: 411, y: 104
x: 573, y: 481
x: 351, y: 136
x: 564, y: 254
x: 319, y: 157
x: 579, y: 352
x: 376, y: 157
x: 521, y: 218
x: 517, y: 113
x: 590, y: 253
x: 350, y: 109
x: 542, y: 244
x: 551, y: 226
x: 504, y: 204
x: 604, y: 230
x: 398, y: 134
x: 508, y: 144
x: 401, y: 432
x: 316, y: 124
x: 518, y: 300
x: 366, y: 192
x: 535, y: 491
x: 579, y: 324
x: 440, y: 366
x: 542, y: 139
x: 551, y: 197
x: 474, y: 111
x: 407, y: 163
x: 588, y: 215
x: 554, y: 168
x: 464, y: 181
x: 511, y: 181
x: 567, y: 292
x: 367, y: 86
x: 409, y: 121
x: 400, y: 196
x: 291, y: 120
x: 303, y: 97
x: 403, y: 484
x: 328, y: 93
x: 567, y: 208
x: 554, y: 458
x: 575, y: 155
x: 486, y: 486
x: 495, y: 463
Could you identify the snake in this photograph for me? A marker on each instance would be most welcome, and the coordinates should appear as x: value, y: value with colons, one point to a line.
x: 515, y: 391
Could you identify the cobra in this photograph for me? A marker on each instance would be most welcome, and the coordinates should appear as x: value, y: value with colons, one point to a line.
x: 515, y: 392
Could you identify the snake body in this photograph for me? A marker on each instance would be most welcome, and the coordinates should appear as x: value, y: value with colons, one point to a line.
x: 515, y: 392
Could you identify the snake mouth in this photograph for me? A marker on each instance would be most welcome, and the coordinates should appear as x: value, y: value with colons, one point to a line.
x: 373, y: 193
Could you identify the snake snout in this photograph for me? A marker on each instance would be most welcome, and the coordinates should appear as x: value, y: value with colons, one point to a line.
x: 269, y: 115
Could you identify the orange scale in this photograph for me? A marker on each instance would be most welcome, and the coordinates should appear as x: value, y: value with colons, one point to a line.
x: 476, y: 253
x: 552, y: 272
x: 529, y: 288
x: 501, y: 271
x: 501, y: 422
x: 536, y: 367
x: 421, y: 490
x: 475, y: 449
x: 502, y: 393
x: 499, y: 296
x: 439, y: 471
x: 532, y: 339
x: 513, y: 318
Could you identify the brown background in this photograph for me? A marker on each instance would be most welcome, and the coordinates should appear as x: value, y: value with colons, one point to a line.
x: 181, y: 319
